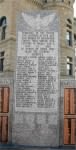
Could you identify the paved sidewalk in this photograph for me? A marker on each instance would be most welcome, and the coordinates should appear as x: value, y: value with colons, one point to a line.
x: 34, y: 149
x: 23, y: 147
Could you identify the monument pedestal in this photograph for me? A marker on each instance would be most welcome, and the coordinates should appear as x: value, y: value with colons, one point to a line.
x: 36, y: 129
x: 36, y: 87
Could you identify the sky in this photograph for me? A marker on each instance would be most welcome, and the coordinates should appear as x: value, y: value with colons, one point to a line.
x: 75, y: 9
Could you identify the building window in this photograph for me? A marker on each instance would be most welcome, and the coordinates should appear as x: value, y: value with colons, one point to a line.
x: 75, y: 51
x: 69, y: 21
x: 69, y: 66
x: 69, y: 2
x: 69, y: 38
x: 69, y: 32
x: 1, y: 61
x: 3, y: 25
x: 45, y: 1
x: 75, y: 39
x: 75, y: 74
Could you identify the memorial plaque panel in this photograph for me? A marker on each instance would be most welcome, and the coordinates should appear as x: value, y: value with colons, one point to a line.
x: 37, y: 86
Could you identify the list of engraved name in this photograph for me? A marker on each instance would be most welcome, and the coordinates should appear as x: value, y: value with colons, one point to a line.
x: 36, y: 70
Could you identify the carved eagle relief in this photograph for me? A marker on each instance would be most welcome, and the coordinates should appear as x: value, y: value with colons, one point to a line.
x: 38, y: 22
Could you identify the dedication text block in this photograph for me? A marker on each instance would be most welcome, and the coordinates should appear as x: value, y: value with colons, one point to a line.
x: 37, y: 77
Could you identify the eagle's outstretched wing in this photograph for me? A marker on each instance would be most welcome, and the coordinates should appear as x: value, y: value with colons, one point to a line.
x: 45, y: 21
x: 38, y: 22
x: 30, y: 20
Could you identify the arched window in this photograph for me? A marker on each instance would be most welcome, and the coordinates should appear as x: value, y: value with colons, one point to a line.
x: 3, y: 24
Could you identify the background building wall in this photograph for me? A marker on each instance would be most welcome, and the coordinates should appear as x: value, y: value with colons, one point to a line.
x: 65, y: 11
x: 10, y: 9
x: 75, y: 43
x: 8, y: 45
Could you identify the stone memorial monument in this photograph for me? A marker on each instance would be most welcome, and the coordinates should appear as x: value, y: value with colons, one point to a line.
x: 36, y: 86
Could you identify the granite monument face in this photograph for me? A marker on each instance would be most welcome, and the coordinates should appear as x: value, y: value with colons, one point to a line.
x: 37, y: 79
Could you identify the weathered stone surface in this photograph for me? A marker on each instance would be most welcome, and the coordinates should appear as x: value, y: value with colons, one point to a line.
x: 37, y: 68
x: 37, y: 80
x: 10, y: 9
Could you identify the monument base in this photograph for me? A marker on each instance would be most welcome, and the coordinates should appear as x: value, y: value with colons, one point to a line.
x: 35, y: 129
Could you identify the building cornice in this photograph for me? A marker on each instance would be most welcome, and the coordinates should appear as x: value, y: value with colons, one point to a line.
x: 7, y: 40
x: 37, y: 2
x: 57, y: 4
